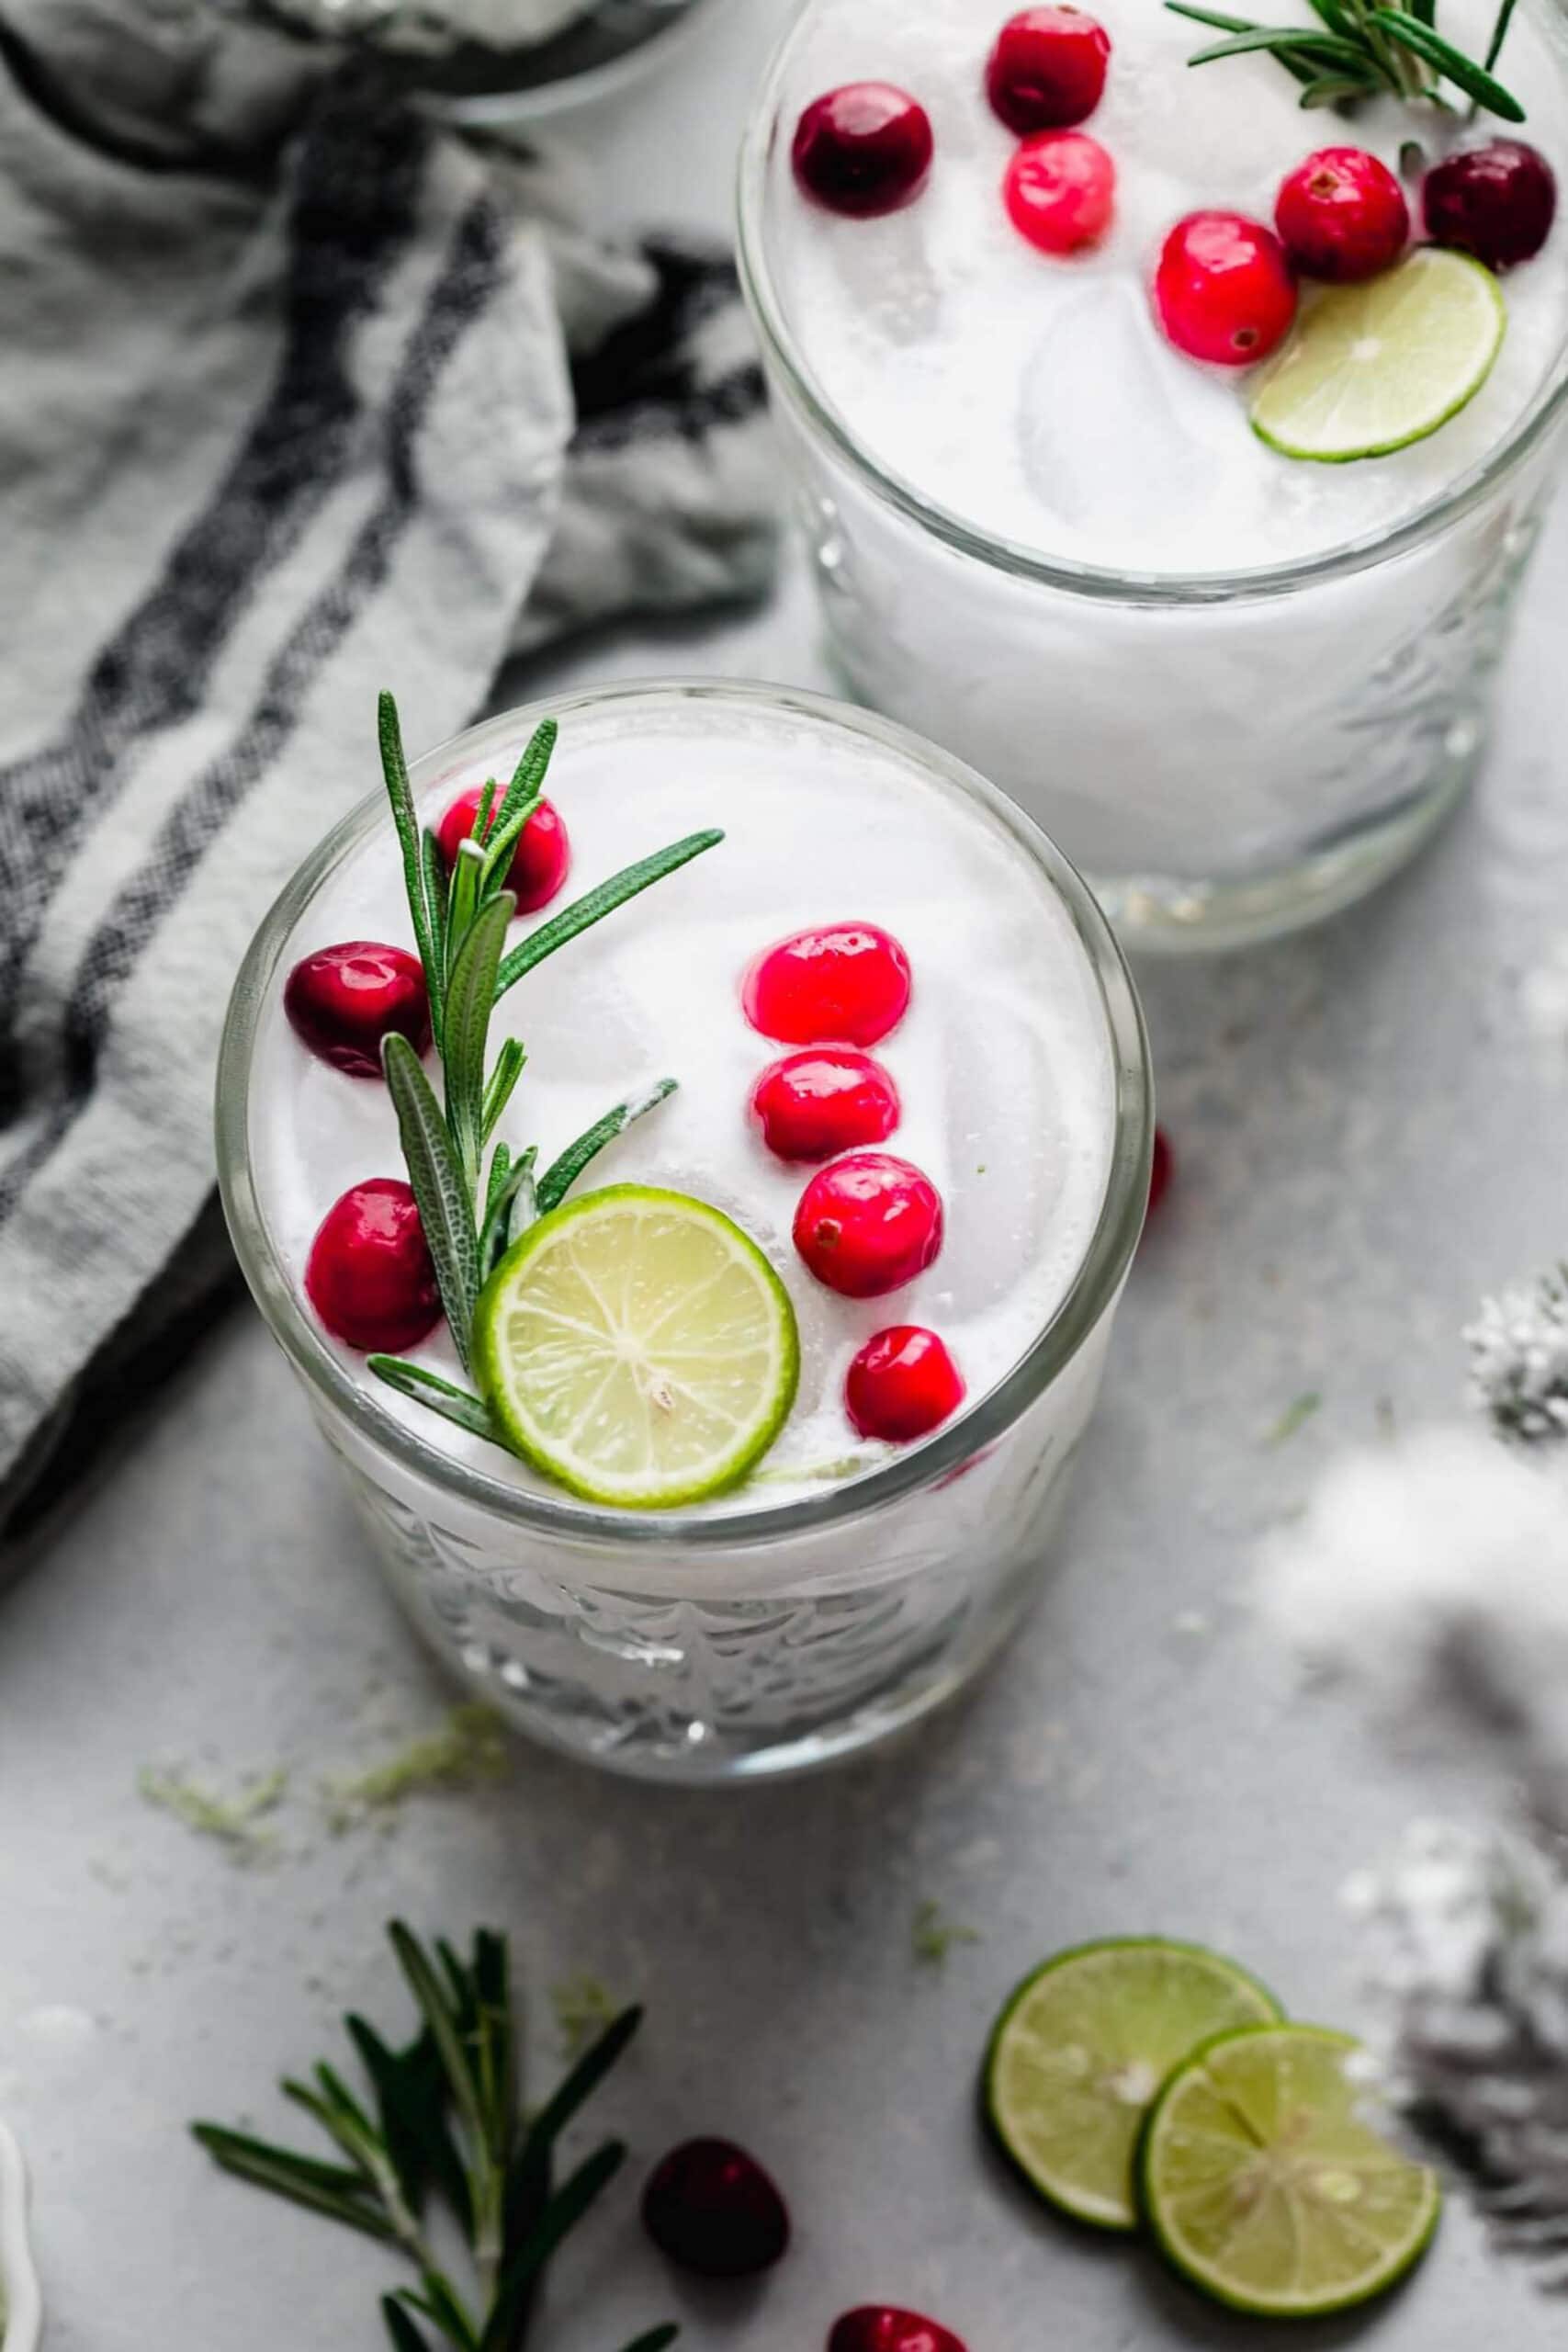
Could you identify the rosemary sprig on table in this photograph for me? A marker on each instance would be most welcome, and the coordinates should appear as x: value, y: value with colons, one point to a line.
x: 444, y: 2126
x: 471, y: 1218
x: 1365, y: 48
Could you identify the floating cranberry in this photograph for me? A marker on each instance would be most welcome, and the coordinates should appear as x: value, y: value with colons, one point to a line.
x: 1496, y: 202
x: 878, y: 2328
x: 1060, y: 191
x: 343, y: 1000
x: 1161, y: 1168
x: 711, y: 2208
x: 902, y: 1385
x: 1223, y: 290
x: 845, y: 984
x: 541, y: 861
x: 862, y: 150
x: 868, y: 1224
x: 370, y: 1276
x: 1047, y: 70
x: 828, y: 1099
x: 1342, y: 215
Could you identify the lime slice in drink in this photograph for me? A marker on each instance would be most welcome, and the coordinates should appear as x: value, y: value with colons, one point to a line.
x: 1081, y: 2049
x: 1372, y: 368
x: 638, y: 1348
x: 1266, y: 2189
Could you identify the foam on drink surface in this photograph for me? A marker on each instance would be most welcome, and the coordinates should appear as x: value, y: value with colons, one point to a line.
x: 1033, y: 396
x: 1003, y: 1060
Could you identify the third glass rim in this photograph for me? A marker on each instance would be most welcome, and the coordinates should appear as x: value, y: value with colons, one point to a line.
x: 1104, y: 583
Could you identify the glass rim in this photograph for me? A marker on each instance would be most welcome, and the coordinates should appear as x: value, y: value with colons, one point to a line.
x: 1105, y: 583
x: 1093, y: 1287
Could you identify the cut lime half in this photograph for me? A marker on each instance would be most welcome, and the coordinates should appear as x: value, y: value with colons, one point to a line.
x: 1371, y: 368
x: 636, y: 1346
x: 1265, y: 2188
x: 1081, y: 2049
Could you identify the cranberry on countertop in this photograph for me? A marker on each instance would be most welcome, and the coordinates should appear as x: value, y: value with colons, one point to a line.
x: 541, y: 861
x: 880, y: 2327
x: 862, y: 150
x: 711, y: 2208
x: 902, y: 1385
x: 1060, y: 191
x: 826, y: 1099
x: 343, y: 1000
x: 1496, y: 202
x: 1047, y: 69
x: 840, y: 984
x: 370, y: 1276
x: 1342, y: 216
x: 868, y: 1224
x: 1223, y: 290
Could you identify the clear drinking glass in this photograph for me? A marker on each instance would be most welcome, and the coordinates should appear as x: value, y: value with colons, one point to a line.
x: 743, y: 1638
x: 1224, y: 755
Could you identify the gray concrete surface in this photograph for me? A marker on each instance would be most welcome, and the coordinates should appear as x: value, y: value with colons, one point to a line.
x: 1371, y: 1127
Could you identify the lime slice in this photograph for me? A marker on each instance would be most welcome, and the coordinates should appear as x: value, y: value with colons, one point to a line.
x: 1081, y: 2049
x: 1371, y: 368
x: 638, y: 1348
x: 1262, y: 2184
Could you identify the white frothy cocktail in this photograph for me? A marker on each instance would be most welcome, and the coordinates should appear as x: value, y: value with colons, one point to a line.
x: 1233, y: 685
x: 843, y: 1585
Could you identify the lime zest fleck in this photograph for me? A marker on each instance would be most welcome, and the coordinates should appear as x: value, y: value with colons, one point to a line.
x: 583, y: 2007
x: 1296, y: 1415
x: 933, y: 1936
x: 466, y: 1750
x: 233, y: 1821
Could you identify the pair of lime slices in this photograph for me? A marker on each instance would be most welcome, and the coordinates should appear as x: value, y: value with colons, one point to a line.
x: 636, y: 1346
x: 1141, y: 2081
x: 1372, y: 368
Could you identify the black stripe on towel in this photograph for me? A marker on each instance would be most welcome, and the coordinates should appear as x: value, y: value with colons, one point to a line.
x: 353, y: 216
x: 468, y: 281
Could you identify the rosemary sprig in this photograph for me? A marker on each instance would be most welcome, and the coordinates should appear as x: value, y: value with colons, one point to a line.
x: 445, y: 2125
x: 471, y: 1215
x: 1365, y: 48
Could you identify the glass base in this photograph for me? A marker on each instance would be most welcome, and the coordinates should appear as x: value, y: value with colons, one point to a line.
x: 1155, y: 915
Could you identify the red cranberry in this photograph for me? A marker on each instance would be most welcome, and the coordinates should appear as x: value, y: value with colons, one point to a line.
x: 878, y: 2328
x: 865, y: 149
x: 902, y: 1385
x: 1161, y: 1168
x: 1223, y: 290
x: 1342, y: 215
x: 1496, y: 202
x: 343, y: 1000
x: 846, y: 983
x: 541, y: 861
x: 1060, y: 190
x: 868, y: 1224
x: 828, y: 1099
x: 370, y: 1276
x: 711, y: 2208
x: 1047, y: 69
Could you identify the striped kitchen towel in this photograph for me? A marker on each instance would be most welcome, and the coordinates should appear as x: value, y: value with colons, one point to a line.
x: 301, y: 395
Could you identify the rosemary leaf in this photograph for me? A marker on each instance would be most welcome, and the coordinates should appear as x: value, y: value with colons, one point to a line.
x: 439, y: 2301
x: 457, y: 1405
x: 1499, y: 32
x: 594, y: 904
x: 394, y: 769
x: 1431, y: 48
x: 480, y: 830
x: 405, y: 2337
x: 1330, y: 92
x: 1297, y: 43
x: 1212, y: 17
x: 462, y: 897
x: 503, y: 841
x: 563, y: 2212
x: 499, y: 1167
x: 1337, y: 19
x: 436, y: 894
x: 498, y: 1236
x: 527, y: 2190
x: 445, y: 1208
x: 529, y: 776
x: 470, y: 999
x: 524, y: 1209
x: 656, y: 2339
x: 562, y: 1174
x: 329, y: 2190
x: 410, y: 2101
x: 497, y: 1088
x: 435, y: 2008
